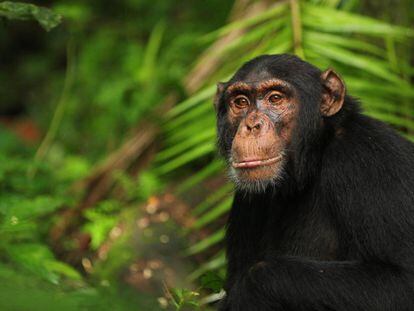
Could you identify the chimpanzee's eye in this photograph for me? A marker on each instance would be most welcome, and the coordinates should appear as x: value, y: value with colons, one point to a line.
x: 275, y: 98
x: 241, y: 102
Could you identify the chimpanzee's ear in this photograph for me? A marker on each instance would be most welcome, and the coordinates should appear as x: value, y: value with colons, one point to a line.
x: 333, y: 94
x: 219, y: 92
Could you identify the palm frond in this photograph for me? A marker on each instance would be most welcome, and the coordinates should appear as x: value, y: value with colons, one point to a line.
x: 362, y: 49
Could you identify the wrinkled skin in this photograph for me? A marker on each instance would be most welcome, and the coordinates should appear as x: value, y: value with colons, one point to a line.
x: 264, y: 117
x: 262, y: 110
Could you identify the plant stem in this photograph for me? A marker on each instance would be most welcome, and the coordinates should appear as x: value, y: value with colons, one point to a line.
x: 297, y: 28
x: 59, y: 111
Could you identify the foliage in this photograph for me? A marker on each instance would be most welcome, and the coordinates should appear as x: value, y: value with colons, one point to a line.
x: 24, y: 11
x: 367, y: 52
x: 182, y: 298
x: 91, y: 81
x: 93, y: 78
x: 24, y: 211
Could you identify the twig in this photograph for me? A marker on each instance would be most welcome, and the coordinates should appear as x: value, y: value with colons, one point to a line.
x: 59, y: 111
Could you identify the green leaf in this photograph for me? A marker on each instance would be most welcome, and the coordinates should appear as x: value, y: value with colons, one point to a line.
x: 195, y: 113
x: 206, y: 122
x: 198, y: 138
x: 29, y: 208
x: 63, y: 269
x: 182, y: 297
x: 218, y: 261
x: 185, y: 158
x: 34, y: 257
x: 213, y: 281
x: 214, y: 213
x: 342, y: 41
x: 277, y: 10
x: 333, y: 20
x: 209, y: 170
x: 213, y: 199
x: 25, y: 11
x: 192, y: 101
x: 148, y: 68
x: 209, y: 241
x: 376, y: 67
x: 252, y: 37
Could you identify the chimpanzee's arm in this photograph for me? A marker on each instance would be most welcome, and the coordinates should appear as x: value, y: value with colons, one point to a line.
x: 292, y: 283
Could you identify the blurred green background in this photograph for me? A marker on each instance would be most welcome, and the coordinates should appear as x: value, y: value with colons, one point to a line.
x: 111, y: 193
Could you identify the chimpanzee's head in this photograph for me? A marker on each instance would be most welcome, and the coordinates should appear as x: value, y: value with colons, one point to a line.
x: 269, y: 113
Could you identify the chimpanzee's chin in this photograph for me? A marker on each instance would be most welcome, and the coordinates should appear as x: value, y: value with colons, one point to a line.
x: 256, y: 179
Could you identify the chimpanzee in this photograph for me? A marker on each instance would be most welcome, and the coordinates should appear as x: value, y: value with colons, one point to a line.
x: 323, y: 212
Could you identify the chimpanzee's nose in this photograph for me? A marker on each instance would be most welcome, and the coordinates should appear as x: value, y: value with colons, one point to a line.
x: 254, y: 124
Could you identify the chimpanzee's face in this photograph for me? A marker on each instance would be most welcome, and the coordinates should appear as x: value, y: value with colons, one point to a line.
x: 261, y: 120
x: 262, y: 113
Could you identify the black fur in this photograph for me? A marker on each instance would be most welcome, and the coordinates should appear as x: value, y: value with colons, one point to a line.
x: 338, y: 232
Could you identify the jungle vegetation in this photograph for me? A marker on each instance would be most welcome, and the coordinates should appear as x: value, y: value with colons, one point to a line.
x: 111, y: 193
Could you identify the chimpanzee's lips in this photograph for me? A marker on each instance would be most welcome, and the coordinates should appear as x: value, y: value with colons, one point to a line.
x: 255, y: 162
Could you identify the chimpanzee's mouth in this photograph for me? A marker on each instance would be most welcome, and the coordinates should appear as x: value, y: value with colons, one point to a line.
x: 255, y: 162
